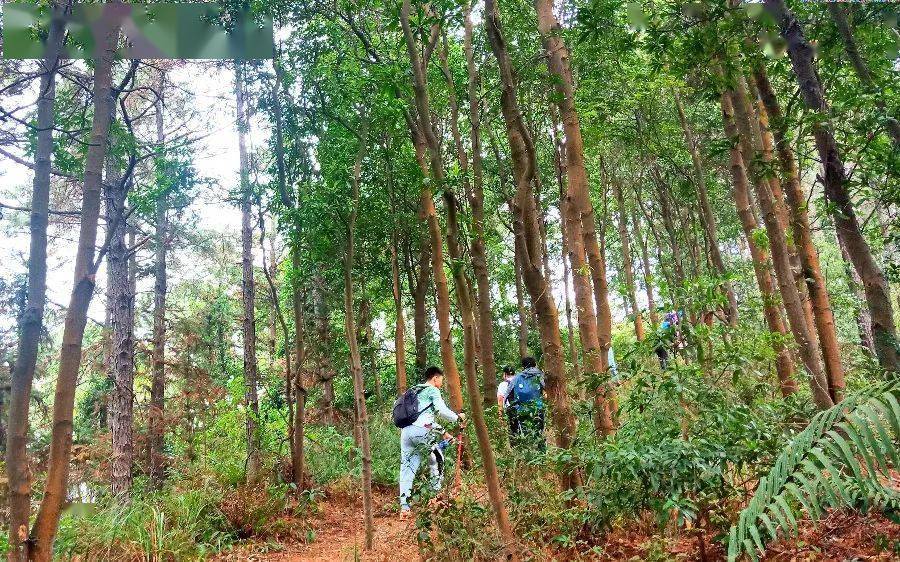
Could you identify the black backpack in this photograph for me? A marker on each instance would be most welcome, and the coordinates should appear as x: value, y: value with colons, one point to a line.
x: 406, y: 407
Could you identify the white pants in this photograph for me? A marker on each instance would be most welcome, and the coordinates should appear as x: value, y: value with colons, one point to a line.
x: 416, y: 442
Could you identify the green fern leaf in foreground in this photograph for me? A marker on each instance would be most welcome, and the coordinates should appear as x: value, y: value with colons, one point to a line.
x: 841, y: 459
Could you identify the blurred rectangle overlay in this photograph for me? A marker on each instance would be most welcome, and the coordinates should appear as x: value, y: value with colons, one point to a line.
x: 149, y: 31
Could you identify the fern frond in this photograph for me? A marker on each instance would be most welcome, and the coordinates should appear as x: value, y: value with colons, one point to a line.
x: 841, y: 459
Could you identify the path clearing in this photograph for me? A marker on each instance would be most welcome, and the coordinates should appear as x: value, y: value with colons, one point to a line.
x: 340, y: 534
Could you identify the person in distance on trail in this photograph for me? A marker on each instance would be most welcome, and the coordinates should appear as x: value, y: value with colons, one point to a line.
x: 416, y: 413
x: 525, y: 397
x: 503, y: 408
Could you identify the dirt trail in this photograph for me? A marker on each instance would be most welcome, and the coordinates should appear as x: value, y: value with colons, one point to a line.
x: 340, y: 534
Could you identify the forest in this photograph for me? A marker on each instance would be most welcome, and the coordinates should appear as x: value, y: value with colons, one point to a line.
x: 221, y: 279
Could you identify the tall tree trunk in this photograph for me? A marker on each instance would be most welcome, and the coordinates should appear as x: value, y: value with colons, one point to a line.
x: 559, y: 149
x: 120, y: 366
x: 485, y: 320
x: 298, y: 451
x: 841, y: 21
x: 422, y: 277
x: 645, y: 264
x: 248, y: 290
x: 784, y: 364
x: 863, y: 320
x: 626, y: 262
x: 155, y: 418
x: 396, y: 284
x: 31, y: 322
x: 811, y: 270
x: 399, y: 324
x: 708, y: 219
x: 424, y: 137
x: 846, y: 224
x: 520, y: 303
x: 749, y: 140
x: 47, y: 522
x: 323, y: 329
x: 359, y: 398
x: 580, y: 209
x: 527, y: 236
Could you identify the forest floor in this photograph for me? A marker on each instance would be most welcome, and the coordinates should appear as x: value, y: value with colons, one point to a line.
x: 338, y: 535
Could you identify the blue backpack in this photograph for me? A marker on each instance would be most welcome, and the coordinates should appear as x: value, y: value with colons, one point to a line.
x: 527, y: 388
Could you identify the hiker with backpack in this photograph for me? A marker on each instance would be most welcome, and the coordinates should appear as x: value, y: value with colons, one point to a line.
x: 525, y: 399
x: 416, y: 413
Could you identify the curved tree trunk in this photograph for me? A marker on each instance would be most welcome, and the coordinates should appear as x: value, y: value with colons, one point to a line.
x: 645, y: 264
x: 356, y: 371
x: 424, y: 138
x: 707, y: 217
x: 836, y: 9
x: 750, y: 143
x: 627, y: 267
x: 476, y: 203
x: 580, y: 206
x: 31, y: 322
x: 47, y: 522
x: 799, y: 218
x: 784, y: 364
x: 528, y: 244
x: 875, y: 284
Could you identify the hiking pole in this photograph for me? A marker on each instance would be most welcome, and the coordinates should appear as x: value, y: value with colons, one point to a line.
x: 457, y: 478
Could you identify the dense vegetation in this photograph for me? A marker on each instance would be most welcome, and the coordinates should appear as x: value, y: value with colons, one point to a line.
x: 422, y: 183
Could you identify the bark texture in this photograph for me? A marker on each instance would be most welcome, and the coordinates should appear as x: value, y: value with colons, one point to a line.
x: 155, y: 418
x: 47, y: 522
x: 248, y: 288
x: 750, y: 142
x: 811, y: 270
x: 875, y: 284
x: 762, y: 268
x: 528, y: 244
x: 31, y: 322
x: 120, y: 363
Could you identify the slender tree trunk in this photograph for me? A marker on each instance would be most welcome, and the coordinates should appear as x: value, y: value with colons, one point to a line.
x: 362, y: 416
x: 527, y: 236
x: 120, y: 365
x: 31, y: 322
x: 520, y: 303
x: 784, y: 364
x: 47, y: 522
x: 799, y: 219
x: 845, y: 30
x: 559, y: 148
x: 298, y: 452
x: 645, y: 263
x: 750, y: 143
x: 425, y: 137
x: 846, y: 224
x: 323, y: 329
x: 420, y: 310
x: 248, y: 290
x: 155, y: 418
x: 863, y: 320
x: 399, y: 324
x: 580, y: 209
x: 707, y: 217
x: 626, y: 262
x: 485, y: 320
